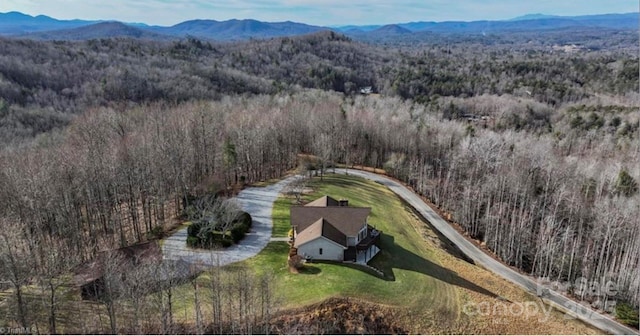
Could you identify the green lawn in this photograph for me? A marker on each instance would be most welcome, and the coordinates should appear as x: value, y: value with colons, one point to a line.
x: 418, y: 276
x: 280, y: 216
x: 414, y: 278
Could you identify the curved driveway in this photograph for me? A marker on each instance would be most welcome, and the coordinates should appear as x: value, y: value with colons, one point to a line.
x: 258, y: 202
x: 480, y: 258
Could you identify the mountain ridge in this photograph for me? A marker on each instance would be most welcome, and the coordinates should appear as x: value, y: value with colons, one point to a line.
x: 534, y: 16
x: 236, y: 29
x: 107, y: 29
x: 17, y: 24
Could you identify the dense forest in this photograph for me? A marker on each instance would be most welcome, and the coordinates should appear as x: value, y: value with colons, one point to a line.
x: 534, y: 151
x: 44, y: 84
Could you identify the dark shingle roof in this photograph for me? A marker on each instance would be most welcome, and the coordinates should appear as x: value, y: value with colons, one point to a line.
x: 321, y: 228
x: 348, y: 220
x: 324, y: 201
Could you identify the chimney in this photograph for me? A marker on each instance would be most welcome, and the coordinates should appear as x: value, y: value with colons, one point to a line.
x: 343, y: 202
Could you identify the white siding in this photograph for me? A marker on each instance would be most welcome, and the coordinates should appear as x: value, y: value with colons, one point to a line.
x: 351, y: 241
x: 330, y: 250
x: 362, y: 234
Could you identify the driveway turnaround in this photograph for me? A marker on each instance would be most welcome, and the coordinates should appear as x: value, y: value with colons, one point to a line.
x: 574, y: 309
x: 258, y: 202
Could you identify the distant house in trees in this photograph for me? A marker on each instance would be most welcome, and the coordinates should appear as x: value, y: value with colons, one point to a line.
x: 89, y: 277
x: 366, y: 90
x: 328, y: 229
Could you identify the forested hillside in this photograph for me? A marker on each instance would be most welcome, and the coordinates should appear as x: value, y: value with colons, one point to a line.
x: 535, y: 153
x: 42, y: 84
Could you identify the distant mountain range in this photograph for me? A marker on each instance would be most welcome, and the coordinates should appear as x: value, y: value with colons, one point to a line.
x: 529, y: 22
x: 42, y: 27
x: 16, y: 23
x: 97, y: 31
x: 236, y: 29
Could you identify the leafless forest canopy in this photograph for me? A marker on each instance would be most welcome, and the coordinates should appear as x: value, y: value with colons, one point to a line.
x: 533, y: 150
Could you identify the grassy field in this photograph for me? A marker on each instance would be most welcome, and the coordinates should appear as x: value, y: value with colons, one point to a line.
x: 426, y: 281
x: 424, y: 277
x: 414, y: 277
x: 280, y: 216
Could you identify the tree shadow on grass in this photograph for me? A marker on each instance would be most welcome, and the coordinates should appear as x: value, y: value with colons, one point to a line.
x: 394, y: 256
x: 309, y: 270
x: 445, y: 243
x: 358, y: 267
x: 340, y: 181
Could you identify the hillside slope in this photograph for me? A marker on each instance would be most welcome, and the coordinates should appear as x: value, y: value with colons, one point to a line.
x: 427, y: 286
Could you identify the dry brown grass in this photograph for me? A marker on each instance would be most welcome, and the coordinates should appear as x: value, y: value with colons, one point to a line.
x: 339, y: 316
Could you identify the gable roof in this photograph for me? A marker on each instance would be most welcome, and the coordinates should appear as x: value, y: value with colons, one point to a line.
x: 321, y: 228
x: 324, y: 201
x: 348, y: 220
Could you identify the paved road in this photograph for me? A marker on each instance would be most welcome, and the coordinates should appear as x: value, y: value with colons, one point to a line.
x: 258, y: 202
x: 480, y: 258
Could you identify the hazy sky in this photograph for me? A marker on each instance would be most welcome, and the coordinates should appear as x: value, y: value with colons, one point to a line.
x: 318, y: 12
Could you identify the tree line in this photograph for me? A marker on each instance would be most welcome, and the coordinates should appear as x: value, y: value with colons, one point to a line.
x: 105, y: 142
x: 555, y: 207
x: 43, y: 85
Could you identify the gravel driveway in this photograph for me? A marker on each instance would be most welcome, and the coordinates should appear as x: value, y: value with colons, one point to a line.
x: 480, y: 258
x: 258, y: 202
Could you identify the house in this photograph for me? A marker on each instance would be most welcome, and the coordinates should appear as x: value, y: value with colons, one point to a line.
x: 89, y: 276
x: 330, y: 229
x: 366, y: 90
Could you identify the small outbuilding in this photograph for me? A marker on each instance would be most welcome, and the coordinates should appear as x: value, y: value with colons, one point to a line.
x: 89, y: 277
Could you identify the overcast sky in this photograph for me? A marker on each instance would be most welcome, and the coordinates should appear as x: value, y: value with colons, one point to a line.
x: 317, y: 12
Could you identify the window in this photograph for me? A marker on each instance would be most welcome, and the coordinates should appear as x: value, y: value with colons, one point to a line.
x: 320, y: 252
x: 362, y: 234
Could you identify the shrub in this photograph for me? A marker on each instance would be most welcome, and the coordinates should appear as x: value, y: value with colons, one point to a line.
x: 212, y: 239
x: 626, y: 184
x: 226, y: 242
x: 194, y: 229
x: 215, y: 236
x: 627, y: 314
x: 245, y: 218
x: 296, y: 262
x: 157, y: 232
x: 238, y: 232
x: 193, y: 241
x: 240, y: 227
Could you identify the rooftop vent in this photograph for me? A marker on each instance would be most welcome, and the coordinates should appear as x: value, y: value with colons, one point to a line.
x: 343, y: 202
